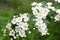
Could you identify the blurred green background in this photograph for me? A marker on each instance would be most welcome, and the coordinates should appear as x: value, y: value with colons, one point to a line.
x: 8, y: 8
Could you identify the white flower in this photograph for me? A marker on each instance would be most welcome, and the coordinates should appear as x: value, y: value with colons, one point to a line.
x: 52, y: 8
x: 43, y: 26
x: 19, y: 23
x: 34, y: 3
x: 8, y: 26
x: 58, y: 11
x: 14, y: 21
x: 38, y: 23
x: 17, y: 29
x: 26, y: 19
x: 18, y: 19
x: 49, y: 3
x: 39, y: 4
x: 43, y: 31
x: 24, y: 26
x: 22, y: 33
x: 57, y: 17
x: 12, y: 33
x: 57, y: 1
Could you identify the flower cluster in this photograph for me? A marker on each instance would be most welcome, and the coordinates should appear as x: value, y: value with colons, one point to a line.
x: 57, y: 1
x: 40, y: 13
x: 57, y: 17
x: 21, y: 25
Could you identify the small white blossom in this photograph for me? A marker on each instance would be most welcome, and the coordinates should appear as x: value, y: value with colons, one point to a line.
x: 49, y: 3
x: 18, y: 19
x: 24, y: 26
x: 34, y: 3
x: 52, y: 8
x: 12, y: 33
x: 22, y: 33
x: 14, y: 21
x: 26, y: 19
x: 57, y: 17
x: 8, y: 26
x: 17, y: 29
x: 57, y: 1
x: 58, y: 11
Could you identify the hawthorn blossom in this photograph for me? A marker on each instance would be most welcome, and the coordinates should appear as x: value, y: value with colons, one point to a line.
x: 18, y: 19
x: 40, y: 14
x: 57, y: 1
x: 49, y: 3
x: 49, y: 6
x: 17, y: 29
x: 57, y: 17
x: 24, y: 26
x: 12, y: 33
x: 34, y: 3
x: 22, y: 33
x: 20, y: 25
x: 14, y: 21
x: 58, y: 11
x: 8, y: 26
